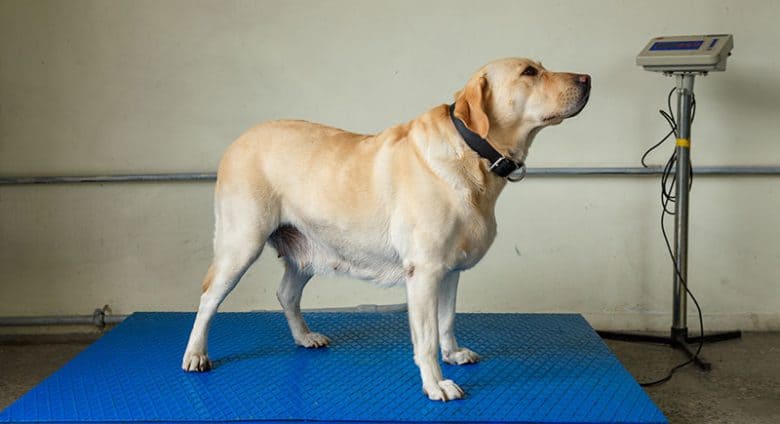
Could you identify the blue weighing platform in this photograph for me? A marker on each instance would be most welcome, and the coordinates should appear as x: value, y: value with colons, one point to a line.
x: 535, y: 368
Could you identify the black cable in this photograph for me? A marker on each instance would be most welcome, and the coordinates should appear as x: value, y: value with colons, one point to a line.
x: 668, y: 195
x: 698, y: 308
x: 669, y: 116
x: 670, y: 119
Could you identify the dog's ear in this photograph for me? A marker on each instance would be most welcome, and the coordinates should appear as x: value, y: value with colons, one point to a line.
x: 470, y: 106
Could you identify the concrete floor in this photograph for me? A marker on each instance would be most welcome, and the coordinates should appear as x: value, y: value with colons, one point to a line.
x: 743, y: 387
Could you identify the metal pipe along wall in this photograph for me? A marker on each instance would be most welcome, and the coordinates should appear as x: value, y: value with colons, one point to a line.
x: 537, y: 172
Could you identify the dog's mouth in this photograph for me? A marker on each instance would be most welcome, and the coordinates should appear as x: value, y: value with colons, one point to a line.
x: 580, y: 105
x: 571, y: 111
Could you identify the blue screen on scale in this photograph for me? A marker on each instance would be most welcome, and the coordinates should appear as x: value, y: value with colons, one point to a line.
x: 677, y: 45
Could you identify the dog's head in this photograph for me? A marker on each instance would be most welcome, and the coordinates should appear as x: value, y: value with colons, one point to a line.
x: 511, y: 98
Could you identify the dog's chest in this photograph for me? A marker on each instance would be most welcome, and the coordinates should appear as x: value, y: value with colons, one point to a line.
x: 472, y: 241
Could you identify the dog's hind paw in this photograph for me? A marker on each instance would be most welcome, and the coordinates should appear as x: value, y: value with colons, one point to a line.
x: 460, y: 356
x: 195, y: 362
x: 444, y: 390
x: 314, y: 340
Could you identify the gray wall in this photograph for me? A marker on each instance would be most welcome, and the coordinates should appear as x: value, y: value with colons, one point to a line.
x: 90, y: 87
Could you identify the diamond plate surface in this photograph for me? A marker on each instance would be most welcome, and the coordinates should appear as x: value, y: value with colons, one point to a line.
x: 535, y: 368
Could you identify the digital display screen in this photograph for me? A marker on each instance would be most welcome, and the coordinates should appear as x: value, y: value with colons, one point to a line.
x: 676, y: 45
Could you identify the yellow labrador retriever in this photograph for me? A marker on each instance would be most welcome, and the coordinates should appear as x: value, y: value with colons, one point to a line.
x: 413, y: 204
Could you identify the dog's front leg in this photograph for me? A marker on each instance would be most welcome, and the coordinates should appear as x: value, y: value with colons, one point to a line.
x: 451, y: 353
x: 422, y: 291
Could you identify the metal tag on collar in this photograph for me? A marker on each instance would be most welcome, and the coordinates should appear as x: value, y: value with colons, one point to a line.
x: 518, y: 174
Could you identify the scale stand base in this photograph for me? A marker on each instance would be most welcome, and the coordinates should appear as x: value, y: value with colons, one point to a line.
x: 678, y: 339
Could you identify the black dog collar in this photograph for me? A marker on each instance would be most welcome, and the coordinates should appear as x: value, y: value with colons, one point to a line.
x: 499, y: 164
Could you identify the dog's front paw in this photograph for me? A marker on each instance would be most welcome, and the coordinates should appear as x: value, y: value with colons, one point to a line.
x: 443, y: 390
x: 194, y: 361
x: 312, y: 340
x: 460, y: 356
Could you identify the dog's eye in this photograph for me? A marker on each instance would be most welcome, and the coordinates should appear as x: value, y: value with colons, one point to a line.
x: 530, y: 71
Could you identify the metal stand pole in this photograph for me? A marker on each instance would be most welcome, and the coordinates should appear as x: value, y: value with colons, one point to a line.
x: 679, y: 338
x: 683, y: 180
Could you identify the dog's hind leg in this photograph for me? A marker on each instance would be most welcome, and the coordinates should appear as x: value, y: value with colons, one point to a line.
x: 289, y: 294
x: 240, y: 233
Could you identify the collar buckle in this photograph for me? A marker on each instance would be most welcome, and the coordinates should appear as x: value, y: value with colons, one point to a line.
x: 508, y: 169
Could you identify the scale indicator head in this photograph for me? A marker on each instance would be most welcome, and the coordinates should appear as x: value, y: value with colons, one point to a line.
x: 687, y: 53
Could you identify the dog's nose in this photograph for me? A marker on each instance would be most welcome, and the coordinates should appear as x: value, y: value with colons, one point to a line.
x: 583, y: 79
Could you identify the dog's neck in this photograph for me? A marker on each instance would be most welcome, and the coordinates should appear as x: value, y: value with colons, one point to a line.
x: 513, y: 141
x: 462, y: 168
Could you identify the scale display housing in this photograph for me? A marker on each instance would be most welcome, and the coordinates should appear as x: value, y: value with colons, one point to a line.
x: 688, y: 53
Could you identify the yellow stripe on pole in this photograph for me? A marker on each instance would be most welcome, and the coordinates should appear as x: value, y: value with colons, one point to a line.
x: 684, y: 142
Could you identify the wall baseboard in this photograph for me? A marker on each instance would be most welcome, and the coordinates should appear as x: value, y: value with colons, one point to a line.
x: 662, y: 321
